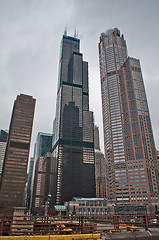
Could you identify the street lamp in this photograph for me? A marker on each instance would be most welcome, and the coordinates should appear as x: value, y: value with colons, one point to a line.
x: 47, y: 204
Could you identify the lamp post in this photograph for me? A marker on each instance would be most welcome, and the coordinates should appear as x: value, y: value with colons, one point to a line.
x: 47, y: 204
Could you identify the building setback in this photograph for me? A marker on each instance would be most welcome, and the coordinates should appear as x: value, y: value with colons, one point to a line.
x: 73, y: 143
x: 132, y: 166
x: 16, y: 157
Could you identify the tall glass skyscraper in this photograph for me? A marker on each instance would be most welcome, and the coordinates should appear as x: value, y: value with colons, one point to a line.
x: 73, y: 143
x: 28, y: 184
x: 132, y: 167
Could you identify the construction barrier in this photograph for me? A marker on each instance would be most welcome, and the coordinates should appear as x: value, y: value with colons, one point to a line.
x: 50, y: 237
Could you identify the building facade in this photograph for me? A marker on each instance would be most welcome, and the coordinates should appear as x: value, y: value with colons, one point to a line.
x: 73, y: 143
x: 3, y: 144
x: 41, y: 184
x: 132, y: 166
x: 28, y: 184
x: 42, y: 146
x: 100, y: 167
x: 17, y: 152
x: 88, y: 206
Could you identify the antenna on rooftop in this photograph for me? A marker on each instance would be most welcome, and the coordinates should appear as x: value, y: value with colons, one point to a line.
x: 65, y: 31
x: 76, y: 33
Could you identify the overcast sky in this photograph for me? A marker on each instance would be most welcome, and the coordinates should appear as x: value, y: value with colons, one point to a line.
x: 30, y: 35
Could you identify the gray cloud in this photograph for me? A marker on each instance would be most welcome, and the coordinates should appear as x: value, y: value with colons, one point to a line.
x: 30, y: 35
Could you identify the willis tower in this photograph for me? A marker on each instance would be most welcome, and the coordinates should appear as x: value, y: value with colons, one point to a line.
x: 73, y: 128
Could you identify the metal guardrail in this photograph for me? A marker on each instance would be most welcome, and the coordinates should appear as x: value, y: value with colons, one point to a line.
x: 57, y: 225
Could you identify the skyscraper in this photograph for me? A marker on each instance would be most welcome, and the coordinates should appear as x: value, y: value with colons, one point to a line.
x: 132, y: 166
x: 17, y: 152
x: 41, y: 184
x: 28, y: 184
x: 42, y: 146
x: 100, y: 167
x: 73, y: 144
x: 3, y: 144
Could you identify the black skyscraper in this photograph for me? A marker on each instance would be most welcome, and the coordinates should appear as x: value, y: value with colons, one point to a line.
x: 73, y: 144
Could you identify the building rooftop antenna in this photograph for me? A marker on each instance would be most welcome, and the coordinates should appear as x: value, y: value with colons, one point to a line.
x: 65, y: 31
x: 76, y: 33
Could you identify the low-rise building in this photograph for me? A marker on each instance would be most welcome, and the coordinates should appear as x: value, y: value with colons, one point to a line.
x: 87, y: 206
